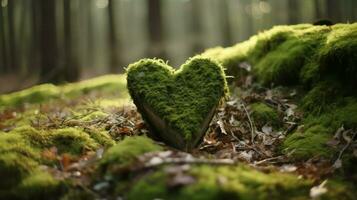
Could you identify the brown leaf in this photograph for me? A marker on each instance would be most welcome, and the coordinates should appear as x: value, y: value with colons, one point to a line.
x: 65, y: 161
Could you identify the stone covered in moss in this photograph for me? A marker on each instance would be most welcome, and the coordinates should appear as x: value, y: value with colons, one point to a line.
x: 124, y: 152
x: 223, y: 182
x: 177, y: 104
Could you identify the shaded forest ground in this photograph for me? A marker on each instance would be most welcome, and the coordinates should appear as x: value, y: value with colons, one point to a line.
x: 288, y: 130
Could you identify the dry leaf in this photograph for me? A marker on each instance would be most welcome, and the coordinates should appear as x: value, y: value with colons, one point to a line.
x: 317, y: 191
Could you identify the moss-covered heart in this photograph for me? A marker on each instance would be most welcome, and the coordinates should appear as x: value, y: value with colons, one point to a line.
x: 178, y: 105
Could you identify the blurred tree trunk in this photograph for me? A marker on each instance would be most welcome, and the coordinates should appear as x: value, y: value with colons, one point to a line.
x: 34, y: 52
x: 3, y: 58
x: 155, y: 29
x: 13, y: 59
x: 320, y: 9
x: 71, y: 67
x: 294, y: 11
x: 115, y: 62
x: 334, y: 10
x: 48, y: 45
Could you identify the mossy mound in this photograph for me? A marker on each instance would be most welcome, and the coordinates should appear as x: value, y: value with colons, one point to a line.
x: 177, y: 104
x: 124, y: 152
x: 46, y: 92
x: 322, y: 59
x: 21, y: 155
x: 224, y: 182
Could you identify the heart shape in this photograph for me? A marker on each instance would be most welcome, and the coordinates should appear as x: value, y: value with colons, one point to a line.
x: 177, y: 105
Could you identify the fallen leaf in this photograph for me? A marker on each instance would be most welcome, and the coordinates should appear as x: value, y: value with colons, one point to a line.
x: 317, y: 191
x: 221, y: 126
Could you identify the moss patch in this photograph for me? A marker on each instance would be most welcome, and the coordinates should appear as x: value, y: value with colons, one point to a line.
x: 47, y: 92
x: 263, y: 114
x: 39, y: 185
x: 309, y: 143
x: 322, y: 59
x: 238, y: 182
x: 125, y: 151
x: 182, y: 98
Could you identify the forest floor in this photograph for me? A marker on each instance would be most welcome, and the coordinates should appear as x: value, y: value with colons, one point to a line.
x: 86, y: 140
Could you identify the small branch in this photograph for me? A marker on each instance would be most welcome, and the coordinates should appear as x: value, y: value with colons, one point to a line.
x: 267, y: 160
x: 188, y: 161
x: 251, y: 124
x: 346, y: 147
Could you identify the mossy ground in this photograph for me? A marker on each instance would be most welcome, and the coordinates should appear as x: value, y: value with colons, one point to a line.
x: 44, y: 127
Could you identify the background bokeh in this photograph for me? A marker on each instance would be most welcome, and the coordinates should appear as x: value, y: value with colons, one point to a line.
x: 66, y: 40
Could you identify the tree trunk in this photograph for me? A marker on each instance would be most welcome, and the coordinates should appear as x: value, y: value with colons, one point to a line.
x: 115, y: 62
x: 294, y: 11
x: 155, y: 29
x: 3, y: 58
x: 48, y: 45
x: 71, y: 67
x: 13, y: 65
x: 334, y: 10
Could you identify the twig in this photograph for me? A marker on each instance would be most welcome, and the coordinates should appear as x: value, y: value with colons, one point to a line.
x: 267, y: 160
x: 346, y: 146
x: 191, y: 161
x: 252, y: 127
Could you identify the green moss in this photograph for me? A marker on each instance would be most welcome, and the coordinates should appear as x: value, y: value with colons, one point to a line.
x: 94, y: 115
x: 14, y: 143
x: 308, y: 143
x: 78, y: 195
x: 46, y: 92
x: 263, y: 114
x: 100, y: 136
x: 320, y: 98
x: 338, y: 56
x: 71, y: 140
x: 67, y: 140
x: 13, y: 168
x: 182, y: 98
x: 35, y: 94
x: 338, y: 189
x: 39, y: 185
x: 223, y: 182
x: 125, y: 151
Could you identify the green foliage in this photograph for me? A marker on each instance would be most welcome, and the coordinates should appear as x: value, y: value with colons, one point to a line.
x: 236, y: 182
x: 181, y: 98
x: 124, y: 152
x: 263, y: 114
